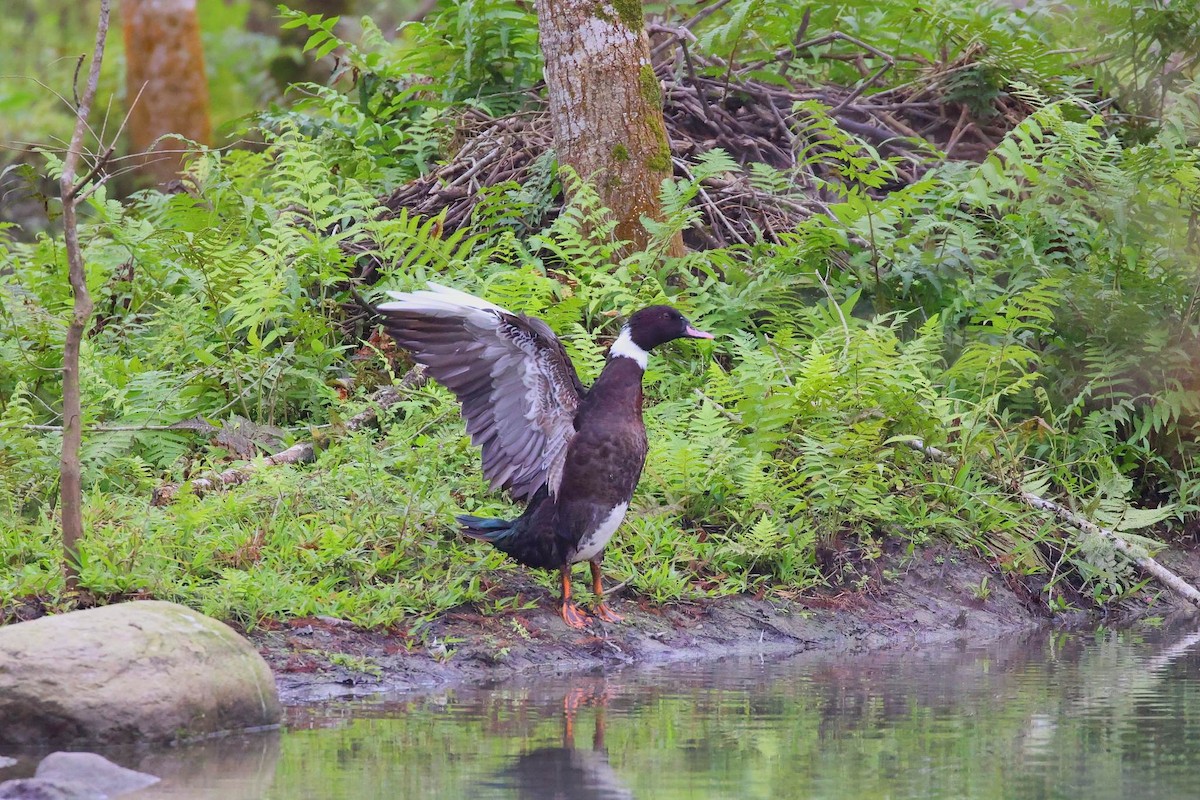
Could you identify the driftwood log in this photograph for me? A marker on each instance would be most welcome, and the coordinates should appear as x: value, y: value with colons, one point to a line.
x: 298, y: 453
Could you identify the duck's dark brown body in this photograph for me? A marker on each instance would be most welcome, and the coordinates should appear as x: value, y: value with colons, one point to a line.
x: 603, y: 464
x: 574, y: 454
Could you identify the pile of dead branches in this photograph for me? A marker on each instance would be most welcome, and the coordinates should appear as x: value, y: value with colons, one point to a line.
x: 710, y: 104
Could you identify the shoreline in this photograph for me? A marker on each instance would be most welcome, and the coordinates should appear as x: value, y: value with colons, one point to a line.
x: 937, y: 596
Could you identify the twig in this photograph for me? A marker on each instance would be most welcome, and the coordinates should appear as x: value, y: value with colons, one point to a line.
x: 298, y: 453
x: 108, y: 154
x: 704, y: 13
x: 1135, y: 554
x: 778, y: 358
x: 691, y: 70
x: 732, y: 416
x: 75, y: 80
x: 838, y: 307
x: 104, y: 428
x: 92, y: 173
x: 960, y: 128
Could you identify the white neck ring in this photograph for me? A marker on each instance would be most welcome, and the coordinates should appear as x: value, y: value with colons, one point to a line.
x: 626, y: 347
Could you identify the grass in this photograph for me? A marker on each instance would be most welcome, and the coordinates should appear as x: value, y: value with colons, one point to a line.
x: 366, y: 534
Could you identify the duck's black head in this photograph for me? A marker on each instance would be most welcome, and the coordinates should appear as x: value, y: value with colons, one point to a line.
x: 651, y: 327
x: 655, y: 325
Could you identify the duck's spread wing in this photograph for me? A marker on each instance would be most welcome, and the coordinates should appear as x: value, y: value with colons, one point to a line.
x: 518, y: 389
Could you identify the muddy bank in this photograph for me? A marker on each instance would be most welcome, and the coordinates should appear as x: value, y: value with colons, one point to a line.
x: 937, y: 596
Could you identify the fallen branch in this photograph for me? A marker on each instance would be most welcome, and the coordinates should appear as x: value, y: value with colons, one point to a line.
x: 299, y: 453
x: 100, y: 428
x: 1134, y: 553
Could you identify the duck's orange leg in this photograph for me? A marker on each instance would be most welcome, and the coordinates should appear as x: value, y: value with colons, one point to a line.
x: 601, y: 610
x: 572, y: 614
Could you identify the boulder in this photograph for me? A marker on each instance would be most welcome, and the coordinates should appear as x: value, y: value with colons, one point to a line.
x: 76, y: 776
x: 38, y: 789
x: 146, y: 671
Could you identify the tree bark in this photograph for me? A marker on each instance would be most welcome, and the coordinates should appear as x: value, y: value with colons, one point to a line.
x: 606, y: 106
x: 165, y: 82
x: 70, y: 480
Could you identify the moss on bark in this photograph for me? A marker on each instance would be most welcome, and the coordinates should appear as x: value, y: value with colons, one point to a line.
x: 630, y: 12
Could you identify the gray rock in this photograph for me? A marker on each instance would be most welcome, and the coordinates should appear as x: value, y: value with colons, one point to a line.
x: 76, y: 776
x: 143, y: 671
x: 93, y: 772
x: 39, y: 789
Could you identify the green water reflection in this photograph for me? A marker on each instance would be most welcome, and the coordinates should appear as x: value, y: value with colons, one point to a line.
x: 1105, y: 715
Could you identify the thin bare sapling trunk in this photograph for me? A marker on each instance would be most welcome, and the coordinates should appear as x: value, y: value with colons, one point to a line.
x: 71, y: 490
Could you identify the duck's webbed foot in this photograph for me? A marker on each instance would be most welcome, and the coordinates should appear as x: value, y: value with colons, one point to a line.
x: 572, y: 614
x: 602, y: 611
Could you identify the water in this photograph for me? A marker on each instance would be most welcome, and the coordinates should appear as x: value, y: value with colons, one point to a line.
x: 1102, y: 715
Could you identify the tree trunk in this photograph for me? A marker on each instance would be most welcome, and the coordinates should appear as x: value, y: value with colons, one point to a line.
x: 165, y: 82
x: 606, y: 106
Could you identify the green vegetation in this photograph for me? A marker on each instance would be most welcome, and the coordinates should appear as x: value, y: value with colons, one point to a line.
x: 43, y: 39
x: 1034, y: 315
x: 660, y: 161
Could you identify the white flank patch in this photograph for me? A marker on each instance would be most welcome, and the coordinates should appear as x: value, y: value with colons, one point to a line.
x: 626, y: 347
x: 591, y: 545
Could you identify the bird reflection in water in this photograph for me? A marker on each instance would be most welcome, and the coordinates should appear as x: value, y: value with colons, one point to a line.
x: 567, y: 773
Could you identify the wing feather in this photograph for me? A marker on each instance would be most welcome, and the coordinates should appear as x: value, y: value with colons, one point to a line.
x: 518, y: 390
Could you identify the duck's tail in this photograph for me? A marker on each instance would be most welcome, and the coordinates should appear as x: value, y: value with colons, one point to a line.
x: 491, y: 530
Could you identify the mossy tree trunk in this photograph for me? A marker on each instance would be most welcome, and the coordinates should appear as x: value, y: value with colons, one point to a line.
x: 606, y: 106
x: 165, y: 81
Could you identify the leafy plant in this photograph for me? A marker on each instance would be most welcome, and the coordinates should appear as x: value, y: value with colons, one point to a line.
x: 1033, y: 315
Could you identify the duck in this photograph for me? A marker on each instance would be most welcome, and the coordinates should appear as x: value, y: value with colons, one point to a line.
x: 573, y: 454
